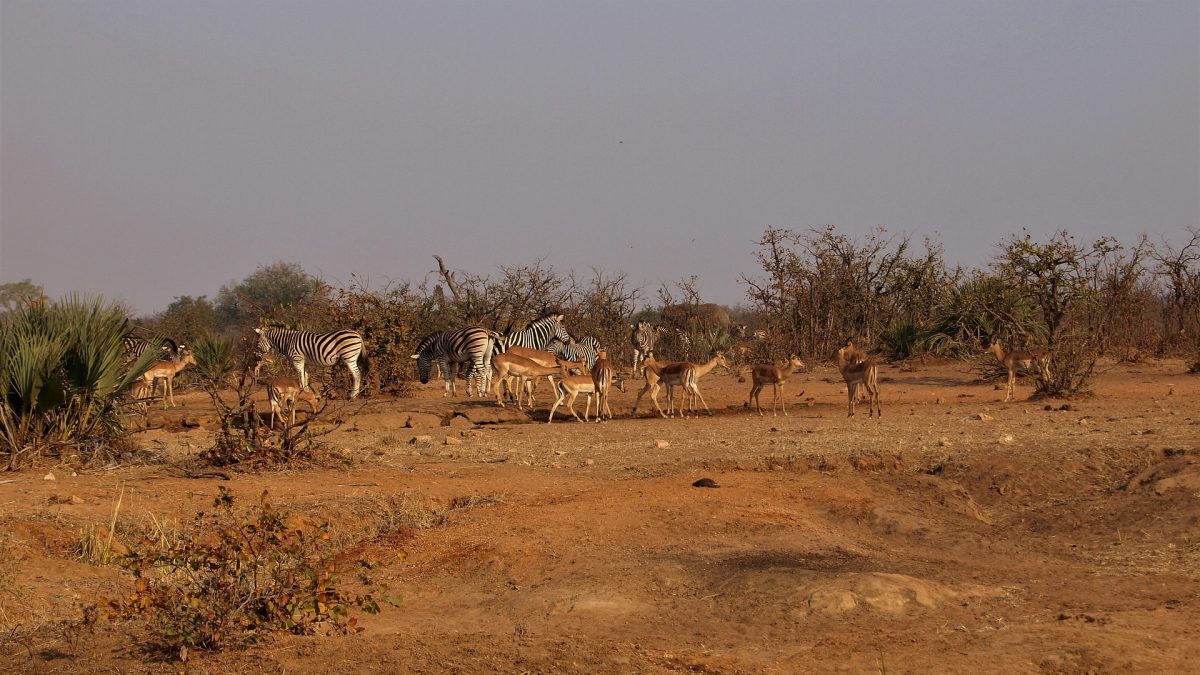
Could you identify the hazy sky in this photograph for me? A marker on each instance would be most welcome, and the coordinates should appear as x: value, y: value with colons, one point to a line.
x: 155, y: 149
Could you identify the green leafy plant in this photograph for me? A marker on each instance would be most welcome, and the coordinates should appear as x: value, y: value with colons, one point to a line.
x: 63, y: 371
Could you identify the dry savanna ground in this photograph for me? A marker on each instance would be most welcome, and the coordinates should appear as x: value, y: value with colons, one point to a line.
x: 958, y: 533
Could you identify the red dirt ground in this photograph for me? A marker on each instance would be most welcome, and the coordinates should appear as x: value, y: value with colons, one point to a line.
x: 1031, y: 540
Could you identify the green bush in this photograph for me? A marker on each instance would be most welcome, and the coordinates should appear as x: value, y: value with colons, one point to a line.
x: 63, y: 370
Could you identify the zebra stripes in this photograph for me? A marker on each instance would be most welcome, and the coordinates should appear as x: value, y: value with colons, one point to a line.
x: 641, y: 336
x: 538, y: 334
x: 135, y: 346
x: 323, y: 349
x: 473, y: 346
x: 573, y: 351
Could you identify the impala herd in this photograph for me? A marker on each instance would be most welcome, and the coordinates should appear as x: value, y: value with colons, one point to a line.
x: 515, y: 363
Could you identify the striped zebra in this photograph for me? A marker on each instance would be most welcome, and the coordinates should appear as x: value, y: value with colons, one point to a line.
x: 135, y: 346
x: 538, y: 334
x: 473, y: 346
x: 642, y: 336
x: 573, y: 351
x: 589, y: 341
x: 323, y: 349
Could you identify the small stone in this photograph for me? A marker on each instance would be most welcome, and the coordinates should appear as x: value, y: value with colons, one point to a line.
x: 774, y: 428
x: 1065, y: 406
x: 1006, y: 439
x: 75, y: 499
x: 451, y: 440
x: 941, y: 401
x: 560, y: 453
x: 589, y: 461
x: 661, y: 445
x: 460, y: 422
x: 945, y: 442
x: 982, y: 417
x: 49, y: 476
x: 418, y: 440
x: 471, y: 433
x: 706, y: 483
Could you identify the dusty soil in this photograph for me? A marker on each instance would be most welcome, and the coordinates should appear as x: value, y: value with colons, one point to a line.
x: 1030, y: 540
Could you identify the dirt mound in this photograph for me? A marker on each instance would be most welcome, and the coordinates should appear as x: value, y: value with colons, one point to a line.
x: 1173, y: 474
x: 892, y: 593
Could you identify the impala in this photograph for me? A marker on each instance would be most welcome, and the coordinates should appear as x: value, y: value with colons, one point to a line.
x: 651, y: 369
x: 776, y: 376
x: 167, y: 370
x: 856, y: 373
x: 509, y: 364
x: 283, y: 392
x: 1023, y: 359
x: 604, y: 376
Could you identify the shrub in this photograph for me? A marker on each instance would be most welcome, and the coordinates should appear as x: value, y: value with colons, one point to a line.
x: 232, y: 578
x: 63, y: 371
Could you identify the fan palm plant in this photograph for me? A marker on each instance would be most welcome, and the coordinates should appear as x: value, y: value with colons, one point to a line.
x: 62, y: 372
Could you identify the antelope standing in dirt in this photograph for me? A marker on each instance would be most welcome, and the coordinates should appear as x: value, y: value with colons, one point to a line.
x: 167, y: 370
x: 1022, y: 359
x: 569, y: 388
x: 510, y: 364
x: 604, y: 377
x: 776, y: 376
x: 856, y: 373
x: 284, y: 392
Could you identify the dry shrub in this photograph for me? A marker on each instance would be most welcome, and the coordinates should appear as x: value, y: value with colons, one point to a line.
x: 231, y: 578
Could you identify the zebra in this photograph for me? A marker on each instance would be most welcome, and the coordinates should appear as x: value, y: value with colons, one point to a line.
x: 642, y: 336
x: 135, y: 346
x: 473, y: 346
x: 323, y: 349
x: 538, y: 334
x: 590, y: 341
x: 573, y: 351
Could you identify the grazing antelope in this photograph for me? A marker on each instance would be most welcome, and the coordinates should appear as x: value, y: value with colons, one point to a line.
x: 651, y: 369
x: 776, y: 376
x: 864, y: 373
x: 324, y: 349
x: 283, y: 392
x: 538, y: 356
x: 1023, y: 359
x: 167, y: 370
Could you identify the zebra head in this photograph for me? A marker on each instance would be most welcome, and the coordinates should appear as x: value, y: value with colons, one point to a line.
x: 555, y: 322
x: 263, y: 347
x: 424, y: 357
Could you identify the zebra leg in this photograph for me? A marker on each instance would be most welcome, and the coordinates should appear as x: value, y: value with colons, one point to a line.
x: 298, y: 362
x: 354, y: 372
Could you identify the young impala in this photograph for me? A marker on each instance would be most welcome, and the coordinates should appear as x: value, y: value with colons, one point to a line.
x: 864, y: 373
x: 509, y: 364
x: 167, y: 370
x: 1023, y: 359
x: 604, y: 377
x: 776, y: 376
x: 283, y: 392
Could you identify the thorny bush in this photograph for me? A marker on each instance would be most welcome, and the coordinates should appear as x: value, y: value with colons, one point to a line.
x: 233, y: 577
